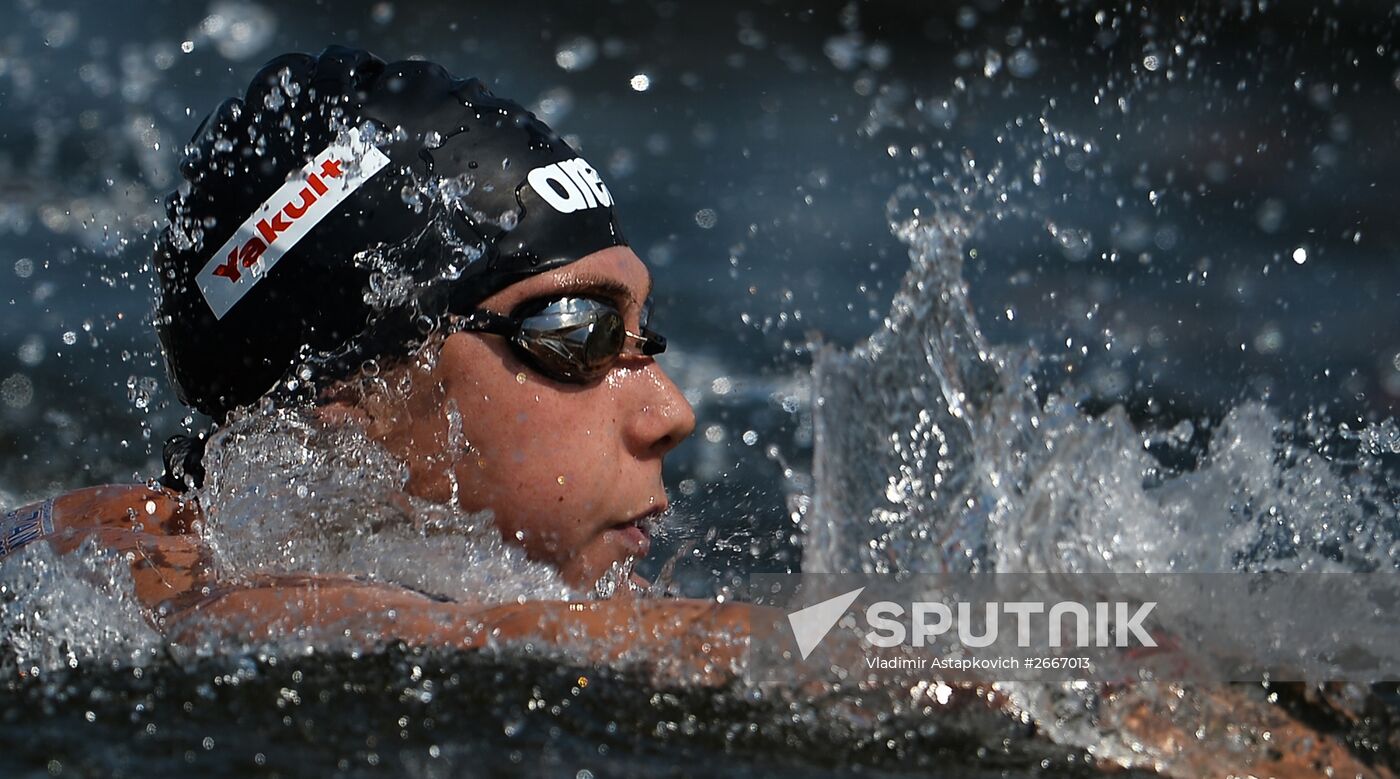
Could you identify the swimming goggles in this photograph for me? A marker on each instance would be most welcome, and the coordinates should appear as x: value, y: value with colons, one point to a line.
x: 576, y: 340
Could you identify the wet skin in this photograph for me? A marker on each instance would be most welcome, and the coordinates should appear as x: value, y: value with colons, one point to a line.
x: 571, y: 472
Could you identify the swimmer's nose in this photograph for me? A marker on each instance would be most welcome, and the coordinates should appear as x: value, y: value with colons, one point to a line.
x: 662, y: 418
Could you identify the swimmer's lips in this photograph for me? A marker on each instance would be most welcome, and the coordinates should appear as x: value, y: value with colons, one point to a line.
x: 635, y: 533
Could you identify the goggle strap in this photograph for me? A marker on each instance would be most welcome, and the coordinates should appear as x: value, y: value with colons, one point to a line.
x: 483, y: 321
x: 652, y: 342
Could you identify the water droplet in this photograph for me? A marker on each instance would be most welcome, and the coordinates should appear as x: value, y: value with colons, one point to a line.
x: 576, y: 54
x: 554, y: 104
x: 1269, y: 340
x: 1270, y: 216
x: 412, y: 197
x: 1022, y: 64
x: 844, y: 51
x: 17, y: 390
x: 238, y: 29
x: 991, y: 65
x: 31, y: 352
x: 1076, y: 244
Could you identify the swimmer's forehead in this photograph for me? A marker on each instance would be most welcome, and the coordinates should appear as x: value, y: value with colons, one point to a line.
x: 615, y: 273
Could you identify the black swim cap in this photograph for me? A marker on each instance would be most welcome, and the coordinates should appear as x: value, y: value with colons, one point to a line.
x: 339, y: 209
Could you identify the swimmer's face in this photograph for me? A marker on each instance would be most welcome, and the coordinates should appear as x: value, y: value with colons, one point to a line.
x: 564, y: 467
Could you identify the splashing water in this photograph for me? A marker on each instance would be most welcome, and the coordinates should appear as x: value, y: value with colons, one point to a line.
x: 288, y: 492
x: 952, y: 464
x: 62, y: 611
x: 934, y: 454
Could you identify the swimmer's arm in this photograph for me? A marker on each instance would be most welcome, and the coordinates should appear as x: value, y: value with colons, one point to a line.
x: 152, y: 529
x: 698, y: 639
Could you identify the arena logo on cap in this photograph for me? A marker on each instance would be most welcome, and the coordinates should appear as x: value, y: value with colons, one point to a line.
x: 571, y: 185
x: 287, y: 217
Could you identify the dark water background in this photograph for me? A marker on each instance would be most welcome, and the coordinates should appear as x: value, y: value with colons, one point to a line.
x: 752, y: 173
x: 433, y: 715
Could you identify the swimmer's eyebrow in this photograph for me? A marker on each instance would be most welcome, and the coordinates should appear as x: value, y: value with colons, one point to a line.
x: 606, y: 286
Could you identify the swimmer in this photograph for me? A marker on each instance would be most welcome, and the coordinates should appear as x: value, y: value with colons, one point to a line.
x: 350, y: 217
x: 337, y: 176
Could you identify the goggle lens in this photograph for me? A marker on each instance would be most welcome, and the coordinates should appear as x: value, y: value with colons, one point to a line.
x: 569, y: 339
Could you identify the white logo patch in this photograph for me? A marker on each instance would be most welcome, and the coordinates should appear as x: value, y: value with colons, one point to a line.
x: 571, y: 185
x: 285, y: 218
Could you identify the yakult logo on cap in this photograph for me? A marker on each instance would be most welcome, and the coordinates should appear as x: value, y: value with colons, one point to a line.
x: 571, y: 185
x: 285, y: 218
